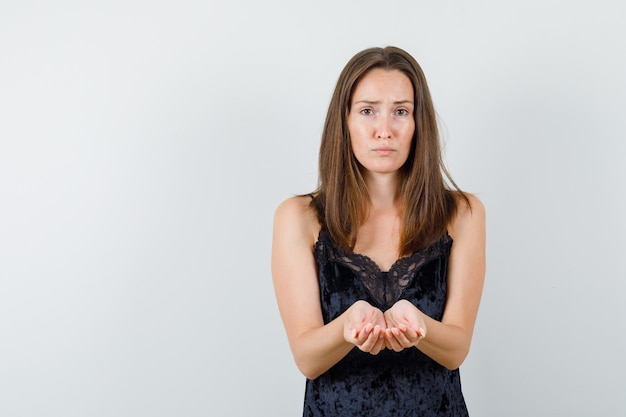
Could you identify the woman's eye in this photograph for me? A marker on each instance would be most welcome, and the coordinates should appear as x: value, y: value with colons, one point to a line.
x: 402, y: 112
x: 367, y: 112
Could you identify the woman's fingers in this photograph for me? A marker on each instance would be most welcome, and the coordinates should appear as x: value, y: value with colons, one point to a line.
x: 371, y: 340
x: 392, y: 341
x: 379, y: 344
x: 390, y: 332
x: 402, y: 337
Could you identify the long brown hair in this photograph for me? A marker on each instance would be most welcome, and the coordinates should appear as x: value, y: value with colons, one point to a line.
x: 341, y: 197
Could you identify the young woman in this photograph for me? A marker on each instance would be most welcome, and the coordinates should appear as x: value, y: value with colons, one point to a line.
x: 379, y: 272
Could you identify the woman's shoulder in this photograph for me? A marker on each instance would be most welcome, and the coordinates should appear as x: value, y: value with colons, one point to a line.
x: 470, y: 214
x: 467, y: 203
x: 297, y: 215
x: 297, y: 206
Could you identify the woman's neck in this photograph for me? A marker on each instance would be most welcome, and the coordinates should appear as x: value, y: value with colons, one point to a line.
x: 382, y: 190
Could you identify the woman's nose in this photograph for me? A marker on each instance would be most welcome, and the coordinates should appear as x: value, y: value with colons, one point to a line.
x: 383, y: 128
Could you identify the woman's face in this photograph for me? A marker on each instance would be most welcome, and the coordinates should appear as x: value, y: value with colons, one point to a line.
x: 380, y: 121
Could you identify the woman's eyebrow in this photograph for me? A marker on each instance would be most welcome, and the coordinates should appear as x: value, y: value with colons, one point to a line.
x: 378, y: 102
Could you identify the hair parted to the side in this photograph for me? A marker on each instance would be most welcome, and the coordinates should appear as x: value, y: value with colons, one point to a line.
x: 428, y: 203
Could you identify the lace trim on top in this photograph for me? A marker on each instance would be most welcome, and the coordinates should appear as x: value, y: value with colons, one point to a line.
x: 385, y: 287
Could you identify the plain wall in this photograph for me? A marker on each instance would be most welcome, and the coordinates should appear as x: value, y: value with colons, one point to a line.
x: 145, y: 145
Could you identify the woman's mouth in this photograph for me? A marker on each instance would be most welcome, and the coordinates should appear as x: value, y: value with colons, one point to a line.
x: 383, y: 151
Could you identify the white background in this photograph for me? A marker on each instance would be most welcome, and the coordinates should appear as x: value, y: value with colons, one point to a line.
x: 144, y: 146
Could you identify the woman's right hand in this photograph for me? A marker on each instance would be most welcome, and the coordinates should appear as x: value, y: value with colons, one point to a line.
x: 365, y: 327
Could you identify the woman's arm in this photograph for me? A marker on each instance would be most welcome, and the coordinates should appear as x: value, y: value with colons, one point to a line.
x: 448, y: 342
x: 316, y: 347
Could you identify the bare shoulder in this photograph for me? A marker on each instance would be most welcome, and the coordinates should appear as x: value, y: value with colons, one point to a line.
x: 296, y: 217
x: 473, y: 206
x: 297, y: 204
x: 470, y: 216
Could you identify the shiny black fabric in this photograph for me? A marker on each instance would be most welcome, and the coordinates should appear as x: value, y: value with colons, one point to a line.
x: 406, y: 383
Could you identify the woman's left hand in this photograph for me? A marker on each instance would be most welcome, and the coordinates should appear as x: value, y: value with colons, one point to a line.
x: 405, y: 326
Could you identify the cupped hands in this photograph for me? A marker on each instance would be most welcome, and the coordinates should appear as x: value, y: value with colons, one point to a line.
x: 400, y: 327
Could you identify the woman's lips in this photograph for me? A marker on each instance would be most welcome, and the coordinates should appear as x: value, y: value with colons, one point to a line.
x: 383, y: 151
